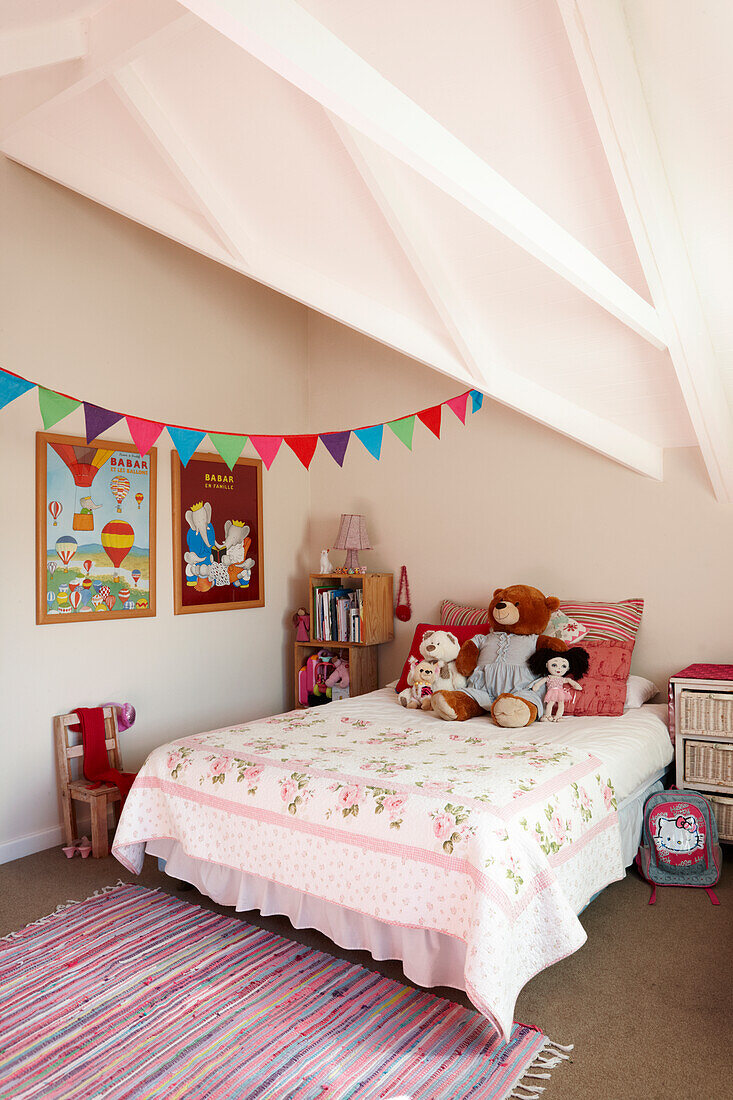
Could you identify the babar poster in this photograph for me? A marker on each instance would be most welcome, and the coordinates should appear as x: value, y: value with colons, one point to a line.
x: 96, y: 528
x: 217, y: 534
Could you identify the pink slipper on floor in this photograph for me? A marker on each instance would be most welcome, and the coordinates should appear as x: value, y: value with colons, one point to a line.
x: 69, y: 850
x: 84, y: 846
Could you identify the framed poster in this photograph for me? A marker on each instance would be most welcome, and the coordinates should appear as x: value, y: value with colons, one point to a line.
x: 95, y: 530
x: 217, y: 534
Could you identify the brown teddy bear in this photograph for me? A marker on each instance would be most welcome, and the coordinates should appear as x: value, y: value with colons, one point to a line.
x: 499, y: 677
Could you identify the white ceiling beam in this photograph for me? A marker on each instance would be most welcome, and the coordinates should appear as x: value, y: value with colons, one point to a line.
x: 46, y: 44
x: 65, y: 165
x: 116, y: 35
x: 290, y: 41
x: 493, y: 377
x: 601, y: 44
x: 167, y: 135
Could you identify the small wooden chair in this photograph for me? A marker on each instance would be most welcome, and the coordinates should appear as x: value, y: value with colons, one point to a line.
x: 73, y: 787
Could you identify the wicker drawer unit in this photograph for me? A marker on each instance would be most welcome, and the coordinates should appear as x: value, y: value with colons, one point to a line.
x: 706, y: 712
x: 723, y: 809
x: 709, y: 762
x: 702, y: 697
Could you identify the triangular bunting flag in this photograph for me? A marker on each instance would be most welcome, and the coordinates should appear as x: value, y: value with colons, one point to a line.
x: 144, y: 432
x: 431, y: 419
x: 304, y: 447
x: 336, y: 444
x: 477, y: 400
x: 229, y: 447
x: 267, y: 447
x: 11, y: 387
x: 185, y: 440
x: 54, y: 406
x: 98, y: 420
x: 372, y: 439
x: 403, y: 429
x: 458, y: 404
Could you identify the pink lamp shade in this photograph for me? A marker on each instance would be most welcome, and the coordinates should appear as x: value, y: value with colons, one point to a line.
x: 352, y: 537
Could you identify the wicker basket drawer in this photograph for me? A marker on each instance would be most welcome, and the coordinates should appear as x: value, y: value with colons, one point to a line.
x: 723, y: 809
x: 706, y: 712
x: 709, y: 762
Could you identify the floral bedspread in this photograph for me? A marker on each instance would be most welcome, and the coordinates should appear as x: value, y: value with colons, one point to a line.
x: 488, y: 835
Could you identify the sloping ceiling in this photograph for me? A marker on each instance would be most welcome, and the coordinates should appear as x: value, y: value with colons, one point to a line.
x: 531, y: 196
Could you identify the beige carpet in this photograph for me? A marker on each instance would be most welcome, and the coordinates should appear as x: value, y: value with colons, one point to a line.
x: 647, y: 1001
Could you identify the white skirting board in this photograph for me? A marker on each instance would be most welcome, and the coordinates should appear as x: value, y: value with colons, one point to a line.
x: 33, y: 842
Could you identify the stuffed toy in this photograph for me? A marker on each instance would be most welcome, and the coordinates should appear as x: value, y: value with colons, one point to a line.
x: 556, y: 670
x: 340, y: 675
x: 421, y: 679
x: 496, y: 664
x: 441, y: 645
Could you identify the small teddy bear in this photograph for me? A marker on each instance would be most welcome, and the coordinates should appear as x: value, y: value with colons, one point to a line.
x: 442, y: 646
x: 559, y: 668
x: 421, y: 679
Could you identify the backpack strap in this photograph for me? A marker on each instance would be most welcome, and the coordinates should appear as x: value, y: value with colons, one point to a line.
x: 712, y: 895
x: 653, y: 897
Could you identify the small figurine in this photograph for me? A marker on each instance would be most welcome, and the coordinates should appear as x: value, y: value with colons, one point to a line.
x: 302, y: 624
x: 559, y: 668
x: 326, y: 564
x: 421, y: 681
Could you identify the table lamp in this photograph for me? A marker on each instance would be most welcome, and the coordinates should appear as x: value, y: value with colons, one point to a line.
x: 352, y: 538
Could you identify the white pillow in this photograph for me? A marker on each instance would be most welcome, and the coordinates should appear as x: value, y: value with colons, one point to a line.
x: 639, y: 691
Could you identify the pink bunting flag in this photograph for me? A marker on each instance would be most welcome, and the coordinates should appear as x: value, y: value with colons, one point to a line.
x: 144, y: 432
x: 459, y: 404
x: 267, y: 447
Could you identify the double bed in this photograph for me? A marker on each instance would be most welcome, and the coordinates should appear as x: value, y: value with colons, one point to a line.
x: 464, y: 850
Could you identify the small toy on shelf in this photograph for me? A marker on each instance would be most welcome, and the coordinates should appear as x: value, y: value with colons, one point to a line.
x: 302, y: 624
x: 340, y: 675
x: 559, y: 668
x: 421, y: 679
x: 326, y: 564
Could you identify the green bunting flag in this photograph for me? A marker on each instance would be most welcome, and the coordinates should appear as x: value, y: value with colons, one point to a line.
x: 229, y: 447
x: 54, y: 406
x: 403, y: 429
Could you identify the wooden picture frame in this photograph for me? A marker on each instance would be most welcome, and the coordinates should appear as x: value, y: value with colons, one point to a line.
x: 91, y: 552
x: 217, y: 531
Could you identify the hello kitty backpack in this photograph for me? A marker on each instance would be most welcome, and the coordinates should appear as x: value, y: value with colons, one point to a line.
x: 679, y: 844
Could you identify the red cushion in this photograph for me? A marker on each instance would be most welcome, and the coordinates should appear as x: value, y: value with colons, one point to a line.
x: 462, y: 633
x: 604, y: 685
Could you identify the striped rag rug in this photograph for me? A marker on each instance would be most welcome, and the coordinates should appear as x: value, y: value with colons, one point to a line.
x: 136, y: 994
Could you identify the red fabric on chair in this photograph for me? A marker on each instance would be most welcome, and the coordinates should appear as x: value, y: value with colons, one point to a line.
x: 95, y: 763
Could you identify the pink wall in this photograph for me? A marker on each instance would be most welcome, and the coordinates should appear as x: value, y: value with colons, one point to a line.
x: 505, y: 500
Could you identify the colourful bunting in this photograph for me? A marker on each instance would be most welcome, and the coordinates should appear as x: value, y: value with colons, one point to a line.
x: 336, y: 444
x: 185, y: 440
x: 229, y: 447
x: 11, y: 387
x: 54, y: 406
x: 144, y: 432
x: 267, y: 447
x: 372, y: 439
x: 431, y: 419
x: 403, y: 429
x: 304, y: 446
x: 98, y: 420
x: 458, y: 404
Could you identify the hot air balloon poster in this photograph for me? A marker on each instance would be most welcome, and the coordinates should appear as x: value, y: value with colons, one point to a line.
x: 95, y: 529
x: 217, y: 534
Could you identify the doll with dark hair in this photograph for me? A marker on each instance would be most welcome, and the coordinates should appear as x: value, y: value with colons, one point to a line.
x: 561, y: 672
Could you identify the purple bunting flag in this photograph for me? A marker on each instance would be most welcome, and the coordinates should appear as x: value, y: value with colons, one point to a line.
x: 98, y: 420
x: 336, y: 444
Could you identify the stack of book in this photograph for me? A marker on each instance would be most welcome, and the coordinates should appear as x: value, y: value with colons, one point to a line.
x: 337, y: 614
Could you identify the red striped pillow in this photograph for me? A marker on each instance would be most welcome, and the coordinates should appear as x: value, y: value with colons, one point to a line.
x: 619, y: 621
x: 457, y: 614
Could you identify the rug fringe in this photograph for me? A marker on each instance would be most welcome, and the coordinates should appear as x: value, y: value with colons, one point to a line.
x: 65, y: 905
x: 551, y: 1054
